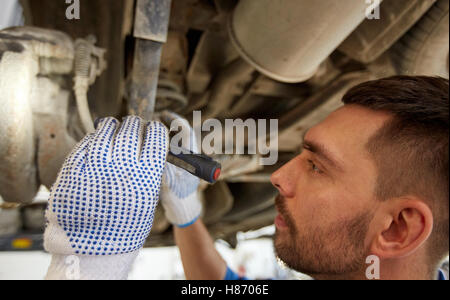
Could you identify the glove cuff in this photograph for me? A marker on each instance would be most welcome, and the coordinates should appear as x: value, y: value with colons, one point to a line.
x: 70, y: 267
x: 56, y: 240
x: 182, y: 212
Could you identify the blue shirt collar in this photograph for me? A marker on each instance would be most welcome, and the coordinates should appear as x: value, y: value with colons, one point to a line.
x: 441, y: 275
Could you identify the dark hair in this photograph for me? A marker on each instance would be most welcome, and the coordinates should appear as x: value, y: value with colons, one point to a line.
x: 411, y: 150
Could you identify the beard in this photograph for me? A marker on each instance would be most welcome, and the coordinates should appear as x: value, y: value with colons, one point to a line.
x: 333, y: 250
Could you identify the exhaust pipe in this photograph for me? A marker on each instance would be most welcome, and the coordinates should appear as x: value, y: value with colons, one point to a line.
x: 287, y: 40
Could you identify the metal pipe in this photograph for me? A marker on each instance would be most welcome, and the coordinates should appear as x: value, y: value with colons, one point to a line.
x: 220, y: 97
x: 144, y: 78
x: 287, y: 40
x: 150, y: 29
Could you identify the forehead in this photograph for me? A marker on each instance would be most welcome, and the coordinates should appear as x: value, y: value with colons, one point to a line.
x: 347, y: 130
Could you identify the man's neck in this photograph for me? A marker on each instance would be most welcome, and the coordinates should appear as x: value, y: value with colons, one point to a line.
x: 407, y: 269
x: 399, y: 269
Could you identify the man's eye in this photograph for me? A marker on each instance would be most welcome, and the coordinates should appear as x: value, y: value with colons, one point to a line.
x: 314, y: 167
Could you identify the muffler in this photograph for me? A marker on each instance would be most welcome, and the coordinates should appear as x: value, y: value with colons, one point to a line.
x: 287, y: 40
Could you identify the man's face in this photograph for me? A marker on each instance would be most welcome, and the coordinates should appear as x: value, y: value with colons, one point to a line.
x: 326, y: 200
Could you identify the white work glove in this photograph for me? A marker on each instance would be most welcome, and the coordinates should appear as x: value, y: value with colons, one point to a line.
x: 102, y: 204
x: 179, y: 190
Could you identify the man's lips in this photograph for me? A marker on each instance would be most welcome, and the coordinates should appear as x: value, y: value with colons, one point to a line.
x: 279, y: 222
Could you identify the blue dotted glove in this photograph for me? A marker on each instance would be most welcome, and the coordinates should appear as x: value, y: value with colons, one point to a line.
x: 179, y: 195
x: 104, y: 198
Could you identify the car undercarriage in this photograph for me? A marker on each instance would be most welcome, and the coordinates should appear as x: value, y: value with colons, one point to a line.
x: 293, y: 62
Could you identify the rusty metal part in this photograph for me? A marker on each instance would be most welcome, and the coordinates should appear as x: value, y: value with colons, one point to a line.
x: 262, y: 90
x: 194, y: 14
x: 287, y: 40
x: 18, y: 177
x: 54, y: 144
x: 111, y: 22
x: 314, y: 110
x: 152, y: 20
x: 373, y: 37
x: 220, y: 98
x: 209, y: 60
x: 49, y: 103
x: 174, y: 59
x: 171, y: 85
x: 151, y: 27
x: 24, y: 93
x: 41, y: 42
x: 144, y: 78
x: 264, y: 86
x: 424, y: 50
x: 169, y: 97
x: 51, y: 66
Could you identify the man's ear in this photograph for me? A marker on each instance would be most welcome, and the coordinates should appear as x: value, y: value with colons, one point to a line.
x: 407, y: 224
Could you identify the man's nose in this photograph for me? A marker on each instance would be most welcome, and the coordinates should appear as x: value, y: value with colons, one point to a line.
x: 285, y: 178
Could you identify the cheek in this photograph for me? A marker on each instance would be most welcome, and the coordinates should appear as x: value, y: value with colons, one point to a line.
x: 312, y: 205
x: 357, y: 196
x: 319, y: 204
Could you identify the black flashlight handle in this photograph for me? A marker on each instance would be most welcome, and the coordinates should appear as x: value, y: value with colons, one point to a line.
x: 199, y: 165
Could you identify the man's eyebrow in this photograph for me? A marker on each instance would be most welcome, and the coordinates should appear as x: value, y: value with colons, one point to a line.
x: 322, y: 152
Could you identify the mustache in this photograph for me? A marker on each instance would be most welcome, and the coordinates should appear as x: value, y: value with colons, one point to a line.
x: 280, y: 204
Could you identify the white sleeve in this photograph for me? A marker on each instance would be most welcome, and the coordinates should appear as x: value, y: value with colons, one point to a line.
x: 71, y: 267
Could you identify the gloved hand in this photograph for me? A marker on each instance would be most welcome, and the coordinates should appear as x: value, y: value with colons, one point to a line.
x: 102, y: 203
x: 179, y: 195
